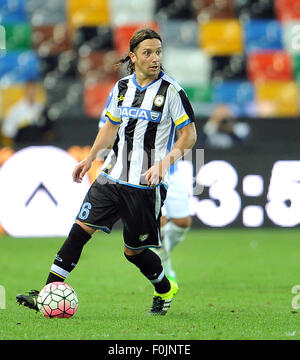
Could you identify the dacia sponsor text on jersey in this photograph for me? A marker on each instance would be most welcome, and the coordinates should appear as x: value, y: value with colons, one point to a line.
x: 138, y: 113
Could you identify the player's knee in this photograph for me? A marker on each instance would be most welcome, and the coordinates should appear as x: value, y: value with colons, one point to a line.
x: 130, y: 252
x: 163, y: 221
x: 86, y: 228
x: 182, y: 222
x: 78, y: 235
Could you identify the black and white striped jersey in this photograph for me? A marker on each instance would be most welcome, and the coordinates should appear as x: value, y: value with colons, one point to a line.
x: 148, y: 118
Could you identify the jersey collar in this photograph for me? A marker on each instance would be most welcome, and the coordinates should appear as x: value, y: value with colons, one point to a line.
x: 145, y: 87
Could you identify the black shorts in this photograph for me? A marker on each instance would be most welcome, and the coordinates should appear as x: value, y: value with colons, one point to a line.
x: 139, y: 209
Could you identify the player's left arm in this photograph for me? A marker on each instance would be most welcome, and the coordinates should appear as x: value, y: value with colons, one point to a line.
x: 182, y: 146
x: 183, y: 117
x: 185, y: 142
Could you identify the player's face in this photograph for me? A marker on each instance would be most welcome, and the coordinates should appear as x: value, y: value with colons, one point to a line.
x: 147, y: 58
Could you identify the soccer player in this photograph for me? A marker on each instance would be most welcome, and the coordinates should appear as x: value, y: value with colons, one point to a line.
x: 175, y: 220
x: 144, y: 111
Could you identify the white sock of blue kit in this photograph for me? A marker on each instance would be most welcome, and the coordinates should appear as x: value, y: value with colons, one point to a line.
x: 171, y: 235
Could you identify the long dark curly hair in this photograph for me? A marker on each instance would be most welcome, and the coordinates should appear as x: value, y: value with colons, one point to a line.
x: 139, y: 36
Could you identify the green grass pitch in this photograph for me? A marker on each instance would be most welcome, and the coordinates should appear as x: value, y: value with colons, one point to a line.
x: 234, y: 284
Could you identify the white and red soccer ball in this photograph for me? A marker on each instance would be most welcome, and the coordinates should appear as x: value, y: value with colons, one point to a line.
x: 57, y: 299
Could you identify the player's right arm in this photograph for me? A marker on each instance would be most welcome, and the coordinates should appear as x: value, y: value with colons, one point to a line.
x: 105, y: 137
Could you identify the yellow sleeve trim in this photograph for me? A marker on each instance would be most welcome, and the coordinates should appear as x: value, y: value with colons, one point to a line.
x: 113, y: 119
x: 181, y: 120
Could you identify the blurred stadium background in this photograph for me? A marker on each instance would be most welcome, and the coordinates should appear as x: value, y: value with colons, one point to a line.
x: 242, y: 53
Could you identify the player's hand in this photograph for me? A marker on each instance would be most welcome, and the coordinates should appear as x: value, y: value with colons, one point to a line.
x: 154, y: 174
x: 81, y: 169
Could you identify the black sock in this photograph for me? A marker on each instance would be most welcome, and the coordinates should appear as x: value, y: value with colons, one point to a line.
x: 69, y: 254
x: 150, y: 266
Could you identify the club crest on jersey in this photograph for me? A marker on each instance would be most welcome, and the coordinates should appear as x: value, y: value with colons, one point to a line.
x: 141, y: 114
x: 159, y: 100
